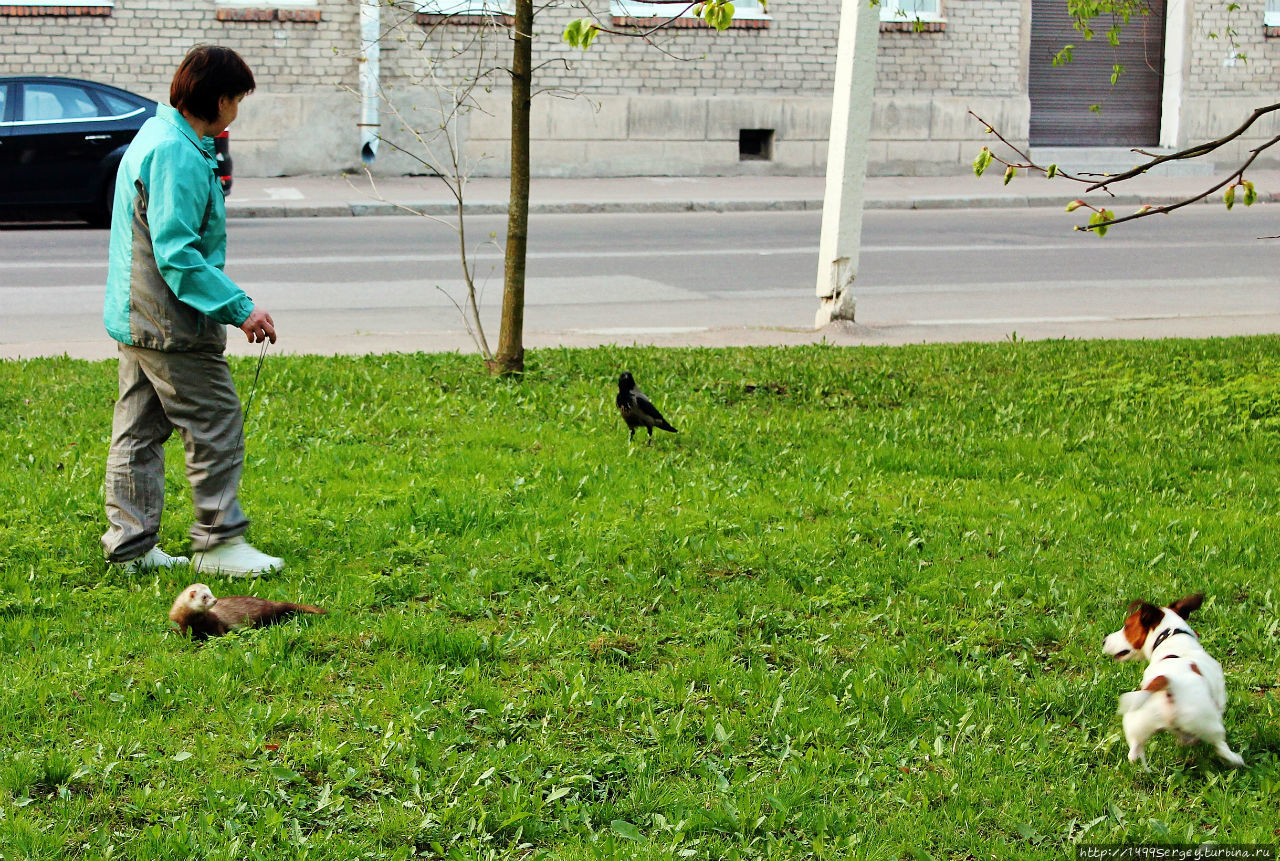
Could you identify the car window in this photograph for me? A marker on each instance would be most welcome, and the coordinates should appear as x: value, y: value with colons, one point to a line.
x: 116, y: 105
x: 4, y: 100
x: 42, y: 102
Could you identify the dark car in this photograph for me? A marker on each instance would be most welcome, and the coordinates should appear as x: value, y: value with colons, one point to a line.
x: 222, y: 152
x: 61, y: 140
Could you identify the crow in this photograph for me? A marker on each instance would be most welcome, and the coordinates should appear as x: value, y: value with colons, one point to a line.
x: 637, y: 410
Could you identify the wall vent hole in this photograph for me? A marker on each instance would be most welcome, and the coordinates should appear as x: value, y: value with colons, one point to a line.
x: 755, y: 144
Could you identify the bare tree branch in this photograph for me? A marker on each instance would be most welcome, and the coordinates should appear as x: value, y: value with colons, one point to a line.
x: 1196, y: 151
x: 1235, y: 178
x: 440, y: 153
x: 1026, y: 163
x: 1103, y: 182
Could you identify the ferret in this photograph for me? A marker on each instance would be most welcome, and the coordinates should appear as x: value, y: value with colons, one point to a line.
x: 196, y: 608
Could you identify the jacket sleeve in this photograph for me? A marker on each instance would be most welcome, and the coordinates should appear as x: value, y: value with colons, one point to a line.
x: 176, y: 205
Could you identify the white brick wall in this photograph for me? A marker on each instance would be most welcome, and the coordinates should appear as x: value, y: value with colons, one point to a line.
x: 692, y: 91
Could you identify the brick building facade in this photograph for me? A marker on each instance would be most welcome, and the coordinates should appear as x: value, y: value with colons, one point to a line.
x: 752, y: 99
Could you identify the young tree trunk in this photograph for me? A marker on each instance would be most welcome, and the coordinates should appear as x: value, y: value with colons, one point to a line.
x: 510, y: 357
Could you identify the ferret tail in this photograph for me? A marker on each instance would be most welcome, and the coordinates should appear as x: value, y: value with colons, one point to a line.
x: 309, y: 608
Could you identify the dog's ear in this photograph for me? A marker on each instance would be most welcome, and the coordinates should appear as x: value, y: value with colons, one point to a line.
x: 1184, y: 607
x: 1142, y: 618
x: 1149, y: 615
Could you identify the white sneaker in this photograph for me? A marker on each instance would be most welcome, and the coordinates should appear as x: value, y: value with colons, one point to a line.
x: 236, y: 557
x: 151, y: 560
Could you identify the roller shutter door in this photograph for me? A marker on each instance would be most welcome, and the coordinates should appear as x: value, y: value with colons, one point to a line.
x: 1061, y: 95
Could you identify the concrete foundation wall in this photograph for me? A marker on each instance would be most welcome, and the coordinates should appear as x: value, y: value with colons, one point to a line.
x: 689, y: 136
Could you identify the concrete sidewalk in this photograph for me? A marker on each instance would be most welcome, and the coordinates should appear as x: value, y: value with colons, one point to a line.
x: 315, y: 196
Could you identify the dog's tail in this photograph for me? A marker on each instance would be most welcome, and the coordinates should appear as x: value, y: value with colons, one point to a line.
x: 1135, y: 700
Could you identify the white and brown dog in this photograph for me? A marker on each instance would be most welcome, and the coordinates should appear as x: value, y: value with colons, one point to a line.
x: 1182, y: 689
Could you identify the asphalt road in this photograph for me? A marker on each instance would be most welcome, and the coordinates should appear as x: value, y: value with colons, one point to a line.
x: 389, y: 283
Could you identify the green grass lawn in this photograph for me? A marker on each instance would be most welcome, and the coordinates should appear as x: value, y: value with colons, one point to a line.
x: 853, y: 610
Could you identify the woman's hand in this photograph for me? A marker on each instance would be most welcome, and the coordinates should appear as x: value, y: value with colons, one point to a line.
x: 258, y: 326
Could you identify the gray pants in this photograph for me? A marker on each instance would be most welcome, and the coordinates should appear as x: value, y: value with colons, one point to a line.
x: 160, y: 391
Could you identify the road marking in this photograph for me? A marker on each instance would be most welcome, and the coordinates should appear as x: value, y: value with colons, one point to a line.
x: 446, y: 257
x: 641, y: 330
x: 284, y: 193
x: 801, y: 250
x: 1265, y: 285
x: 1005, y: 321
x: 1127, y: 318
x: 587, y: 289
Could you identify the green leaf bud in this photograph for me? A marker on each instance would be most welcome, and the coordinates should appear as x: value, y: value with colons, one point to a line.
x: 981, y: 162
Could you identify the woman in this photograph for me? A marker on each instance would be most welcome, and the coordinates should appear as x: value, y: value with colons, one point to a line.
x: 168, y: 304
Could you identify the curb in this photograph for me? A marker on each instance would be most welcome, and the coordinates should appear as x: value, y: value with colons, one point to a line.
x: 437, y: 209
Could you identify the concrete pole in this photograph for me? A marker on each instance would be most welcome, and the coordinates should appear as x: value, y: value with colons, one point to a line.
x: 847, y: 160
x: 370, y: 84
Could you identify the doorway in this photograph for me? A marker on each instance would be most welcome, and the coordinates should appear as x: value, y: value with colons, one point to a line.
x: 1063, y: 98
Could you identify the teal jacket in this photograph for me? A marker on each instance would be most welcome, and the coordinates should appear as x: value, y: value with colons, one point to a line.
x: 165, y: 286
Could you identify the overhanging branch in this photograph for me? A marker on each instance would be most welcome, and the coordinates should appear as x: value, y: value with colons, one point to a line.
x: 1103, y: 182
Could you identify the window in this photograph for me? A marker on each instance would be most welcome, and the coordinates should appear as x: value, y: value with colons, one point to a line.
x: 267, y: 11
x: 475, y: 13
x: 118, y: 106
x: 59, y: 8
x: 265, y: 4
x: 743, y: 10
x: 1271, y: 17
x: 915, y: 10
x: 46, y: 102
x: 453, y: 8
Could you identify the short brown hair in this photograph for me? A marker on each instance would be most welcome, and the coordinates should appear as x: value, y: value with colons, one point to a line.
x: 206, y: 74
